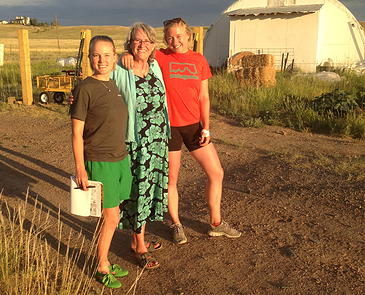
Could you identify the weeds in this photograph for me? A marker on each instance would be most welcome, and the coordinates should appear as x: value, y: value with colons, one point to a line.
x: 33, y: 262
x: 29, y: 265
x: 299, y: 102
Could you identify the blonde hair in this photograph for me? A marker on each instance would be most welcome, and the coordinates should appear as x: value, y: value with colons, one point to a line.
x: 96, y: 39
x: 167, y: 24
x: 100, y: 38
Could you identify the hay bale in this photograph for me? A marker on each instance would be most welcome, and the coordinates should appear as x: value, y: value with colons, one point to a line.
x: 267, y: 60
x: 267, y: 76
x: 261, y: 60
x: 256, y: 76
x: 235, y: 62
x: 255, y: 70
x: 248, y: 76
x: 236, y: 59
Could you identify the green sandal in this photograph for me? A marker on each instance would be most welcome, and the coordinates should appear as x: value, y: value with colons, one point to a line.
x: 108, y: 280
x: 147, y: 261
x: 117, y: 271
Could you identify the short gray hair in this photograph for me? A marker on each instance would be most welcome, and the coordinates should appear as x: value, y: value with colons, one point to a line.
x: 148, y: 30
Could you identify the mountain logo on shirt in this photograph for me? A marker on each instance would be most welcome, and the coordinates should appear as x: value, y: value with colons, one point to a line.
x: 183, y: 71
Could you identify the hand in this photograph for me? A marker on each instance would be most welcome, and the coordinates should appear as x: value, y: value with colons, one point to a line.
x: 71, y: 99
x: 127, y: 60
x: 82, y: 179
x: 204, y: 137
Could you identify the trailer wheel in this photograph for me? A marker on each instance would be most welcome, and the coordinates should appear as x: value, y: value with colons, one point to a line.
x: 59, y: 97
x: 44, y: 97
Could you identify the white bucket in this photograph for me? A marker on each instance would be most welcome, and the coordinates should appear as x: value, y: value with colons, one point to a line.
x: 86, y: 203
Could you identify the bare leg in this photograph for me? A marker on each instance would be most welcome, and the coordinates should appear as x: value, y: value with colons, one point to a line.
x: 173, y: 196
x: 110, y: 223
x: 208, y: 159
x: 138, y: 242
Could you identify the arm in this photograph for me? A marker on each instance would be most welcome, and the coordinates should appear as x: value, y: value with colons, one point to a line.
x: 78, y: 151
x: 204, y: 104
x: 127, y: 60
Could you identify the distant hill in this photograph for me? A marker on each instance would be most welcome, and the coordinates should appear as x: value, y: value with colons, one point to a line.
x: 66, y: 32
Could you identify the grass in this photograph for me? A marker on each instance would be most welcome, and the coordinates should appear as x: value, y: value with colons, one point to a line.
x: 59, y: 42
x: 30, y: 265
x: 62, y: 32
x: 297, y: 101
x: 34, y: 262
x: 10, y: 81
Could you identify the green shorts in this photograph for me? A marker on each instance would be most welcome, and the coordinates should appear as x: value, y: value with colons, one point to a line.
x: 116, y: 178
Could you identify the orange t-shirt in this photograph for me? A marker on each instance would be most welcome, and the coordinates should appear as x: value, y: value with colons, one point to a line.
x: 183, y: 74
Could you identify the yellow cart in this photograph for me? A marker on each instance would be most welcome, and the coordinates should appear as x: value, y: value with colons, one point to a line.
x: 55, y: 87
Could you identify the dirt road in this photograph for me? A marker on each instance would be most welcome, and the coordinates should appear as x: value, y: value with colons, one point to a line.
x: 298, y: 198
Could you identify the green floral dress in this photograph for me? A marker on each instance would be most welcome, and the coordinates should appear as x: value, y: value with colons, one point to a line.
x: 149, y: 157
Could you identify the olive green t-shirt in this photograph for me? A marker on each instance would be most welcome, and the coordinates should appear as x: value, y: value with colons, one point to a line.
x: 100, y: 105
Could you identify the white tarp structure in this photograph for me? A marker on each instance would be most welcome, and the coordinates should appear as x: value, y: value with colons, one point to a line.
x: 312, y: 32
x: 67, y: 62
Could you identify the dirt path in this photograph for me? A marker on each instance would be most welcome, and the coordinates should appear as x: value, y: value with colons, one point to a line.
x: 298, y: 198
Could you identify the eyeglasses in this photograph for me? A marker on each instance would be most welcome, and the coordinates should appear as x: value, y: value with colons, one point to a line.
x: 176, y: 20
x: 144, y: 42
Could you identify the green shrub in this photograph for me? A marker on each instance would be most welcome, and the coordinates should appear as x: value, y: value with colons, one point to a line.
x: 338, y: 102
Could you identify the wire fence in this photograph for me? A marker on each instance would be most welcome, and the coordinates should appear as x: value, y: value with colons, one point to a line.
x: 10, y: 78
x: 9, y: 81
x: 46, y: 57
x: 280, y: 54
x: 43, y: 62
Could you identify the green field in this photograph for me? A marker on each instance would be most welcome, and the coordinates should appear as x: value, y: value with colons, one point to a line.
x: 51, y: 42
x: 64, y: 32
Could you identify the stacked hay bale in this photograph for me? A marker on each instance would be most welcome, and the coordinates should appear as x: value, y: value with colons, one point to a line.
x: 235, y: 62
x: 257, y: 70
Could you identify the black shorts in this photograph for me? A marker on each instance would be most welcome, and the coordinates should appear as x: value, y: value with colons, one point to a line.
x: 189, y: 135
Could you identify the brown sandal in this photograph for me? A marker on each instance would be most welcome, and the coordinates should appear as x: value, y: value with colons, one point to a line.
x: 152, y: 246
x: 147, y: 261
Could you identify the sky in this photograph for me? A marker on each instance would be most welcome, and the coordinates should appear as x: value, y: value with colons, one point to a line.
x: 126, y: 12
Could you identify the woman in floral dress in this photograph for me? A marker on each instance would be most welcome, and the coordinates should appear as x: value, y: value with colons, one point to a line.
x: 147, y: 138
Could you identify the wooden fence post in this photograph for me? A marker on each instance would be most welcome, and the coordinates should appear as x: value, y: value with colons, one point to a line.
x: 25, y: 70
x: 85, y: 64
x: 198, y: 39
x: 2, y: 54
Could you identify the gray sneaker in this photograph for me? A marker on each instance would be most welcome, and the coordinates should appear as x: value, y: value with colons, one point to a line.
x: 224, y: 229
x: 178, y: 235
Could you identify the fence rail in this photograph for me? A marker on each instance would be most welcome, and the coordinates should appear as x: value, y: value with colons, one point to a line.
x: 276, y: 52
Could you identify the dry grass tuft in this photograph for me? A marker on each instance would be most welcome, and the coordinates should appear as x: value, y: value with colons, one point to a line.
x: 30, y: 265
x: 33, y: 262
